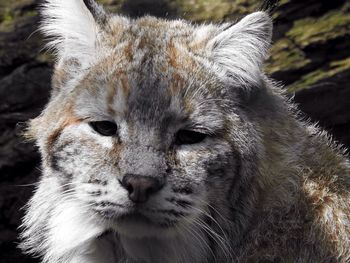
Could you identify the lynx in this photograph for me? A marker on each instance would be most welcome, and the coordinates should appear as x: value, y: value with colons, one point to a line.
x: 165, y: 142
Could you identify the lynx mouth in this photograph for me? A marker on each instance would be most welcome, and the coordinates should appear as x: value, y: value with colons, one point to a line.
x: 136, y: 217
x: 135, y: 224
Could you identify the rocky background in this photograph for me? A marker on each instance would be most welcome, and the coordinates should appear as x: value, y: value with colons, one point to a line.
x: 310, y: 55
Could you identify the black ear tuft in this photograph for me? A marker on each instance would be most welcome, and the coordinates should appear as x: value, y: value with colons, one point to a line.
x: 97, y: 12
x: 269, y: 6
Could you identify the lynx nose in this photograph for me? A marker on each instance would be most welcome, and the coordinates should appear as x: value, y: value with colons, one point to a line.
x: 141, y: 187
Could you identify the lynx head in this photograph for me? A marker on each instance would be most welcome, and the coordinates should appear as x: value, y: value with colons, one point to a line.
x: 147, y: 124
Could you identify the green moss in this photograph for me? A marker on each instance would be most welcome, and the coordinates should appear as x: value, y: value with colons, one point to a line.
x: 12, y: 12
x: 242, y: 7
x: 340, y: 65
x: 312, y: 78
x: 285, y: 56
x: 11, y: 18
x: 14, y: 5
x: 214, y: 10
x: 318, y: 30
x: 201, y: 10
x: 31, y: 13
x: 6, y: 19
x: 7, y: 16
x: 283, y: 2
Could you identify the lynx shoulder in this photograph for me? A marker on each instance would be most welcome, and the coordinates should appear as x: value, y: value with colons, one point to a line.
x: 164, y: 142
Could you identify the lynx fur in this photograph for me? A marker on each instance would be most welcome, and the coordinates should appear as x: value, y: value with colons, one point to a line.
x: 239, y: 177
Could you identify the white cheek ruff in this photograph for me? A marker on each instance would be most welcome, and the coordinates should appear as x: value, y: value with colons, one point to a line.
x: 71, y: 228
x: 61, y: 229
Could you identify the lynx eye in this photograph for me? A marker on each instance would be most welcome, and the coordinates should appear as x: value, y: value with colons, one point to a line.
x: 105, y: 128
x: 189, y: 137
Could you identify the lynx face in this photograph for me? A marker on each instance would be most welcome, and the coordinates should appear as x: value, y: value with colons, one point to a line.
x: 145, y: 129
x: 147, y: 150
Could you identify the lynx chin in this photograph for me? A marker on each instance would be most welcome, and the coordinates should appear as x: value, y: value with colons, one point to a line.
x: 164, y: 142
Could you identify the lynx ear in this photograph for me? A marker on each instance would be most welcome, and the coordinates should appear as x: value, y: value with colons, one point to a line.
x: 72, y: 27
x: 240, y: 50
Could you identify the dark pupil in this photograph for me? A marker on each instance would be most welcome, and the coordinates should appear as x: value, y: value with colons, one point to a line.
x: 189, y: 137
x: 105, y: 128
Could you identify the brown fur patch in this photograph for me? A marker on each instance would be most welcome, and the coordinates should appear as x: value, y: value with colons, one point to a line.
x: 173, y: 55
x: 176, y: 84
x: 115, y: 32
x: 111, y: 93
x: 142, y: 42
x: 128, y: 51
x: 68, y: 119
x: 117, y: 86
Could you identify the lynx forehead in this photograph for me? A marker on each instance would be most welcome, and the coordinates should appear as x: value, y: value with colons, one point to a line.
x: 164, y: 142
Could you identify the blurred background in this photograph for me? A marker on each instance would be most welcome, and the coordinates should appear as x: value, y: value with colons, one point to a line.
x: 310, y: 55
